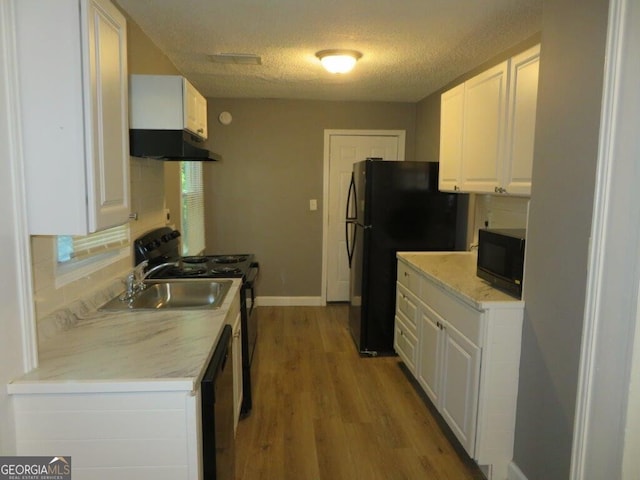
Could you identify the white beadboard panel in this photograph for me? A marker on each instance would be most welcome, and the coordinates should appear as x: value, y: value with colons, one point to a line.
x: 101, y: 402
x: 193, y: 413
x: 129, y: 473
x: 101, y: 424
x: 122, y: 452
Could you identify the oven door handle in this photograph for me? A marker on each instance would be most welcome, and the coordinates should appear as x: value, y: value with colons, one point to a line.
x: 248, y: 284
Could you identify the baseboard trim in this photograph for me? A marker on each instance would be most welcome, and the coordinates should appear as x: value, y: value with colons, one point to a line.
x: 290, y: 302
x: 514, y: 473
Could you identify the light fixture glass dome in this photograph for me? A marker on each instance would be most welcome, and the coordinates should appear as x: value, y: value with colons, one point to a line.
x: 338, y: 61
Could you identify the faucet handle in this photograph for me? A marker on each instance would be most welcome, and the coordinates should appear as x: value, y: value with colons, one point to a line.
x: 138, y: 270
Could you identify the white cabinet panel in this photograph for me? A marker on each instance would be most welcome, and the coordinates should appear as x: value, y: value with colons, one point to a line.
x: 167, y: 102
x: 451, y: 129
x: 74, y: 118
x: 460, y: 383
x: 405, y: 343
x: 429, y: 360
x: 484, y: 122
x: 523, y: 96
x: 113, y: 435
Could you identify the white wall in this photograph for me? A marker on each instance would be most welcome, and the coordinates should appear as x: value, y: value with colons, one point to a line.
x: 12, y: 243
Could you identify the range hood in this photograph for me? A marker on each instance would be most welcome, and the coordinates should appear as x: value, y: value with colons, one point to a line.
x: 175, y: 145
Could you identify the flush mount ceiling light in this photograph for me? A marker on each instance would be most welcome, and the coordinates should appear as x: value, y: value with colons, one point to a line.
x: 338, y: 61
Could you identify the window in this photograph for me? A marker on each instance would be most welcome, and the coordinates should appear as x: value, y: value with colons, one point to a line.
x: 192, y: 208
x: 79, y: 256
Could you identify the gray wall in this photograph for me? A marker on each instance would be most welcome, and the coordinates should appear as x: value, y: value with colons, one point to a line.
x: 257, y: 197
x: 567, y: 125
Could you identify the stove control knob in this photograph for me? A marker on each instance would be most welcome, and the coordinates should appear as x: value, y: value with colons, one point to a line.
x: 175, y: 234
x: 166, y: 238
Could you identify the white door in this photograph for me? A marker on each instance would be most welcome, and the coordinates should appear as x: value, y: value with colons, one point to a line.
x: 343, y: 150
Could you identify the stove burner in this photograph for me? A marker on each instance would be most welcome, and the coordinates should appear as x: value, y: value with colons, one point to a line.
x: 229, y: 259
x: 195, y: 259
x: 226, y: 270
x: 175, y: 272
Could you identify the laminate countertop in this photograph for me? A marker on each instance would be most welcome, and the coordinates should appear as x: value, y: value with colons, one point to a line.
x: 455, y: 272
x: 85, y: 350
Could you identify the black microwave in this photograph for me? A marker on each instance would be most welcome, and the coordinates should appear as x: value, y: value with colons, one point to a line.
x: 501, y: 258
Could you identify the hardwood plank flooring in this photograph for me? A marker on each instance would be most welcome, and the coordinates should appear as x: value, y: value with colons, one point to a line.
x: 321, y: 412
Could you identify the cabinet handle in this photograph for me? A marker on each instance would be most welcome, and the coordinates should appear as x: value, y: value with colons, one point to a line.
x: 456, y: 188
x: 201, y: 130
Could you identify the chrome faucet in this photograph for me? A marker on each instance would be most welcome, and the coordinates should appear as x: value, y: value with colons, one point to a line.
x: 135, y: 280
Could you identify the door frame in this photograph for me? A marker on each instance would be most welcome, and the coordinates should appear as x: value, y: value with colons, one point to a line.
x: 328, y: 133
x: 613, y: 272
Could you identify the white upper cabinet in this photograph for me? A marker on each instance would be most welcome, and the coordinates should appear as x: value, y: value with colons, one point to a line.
x: 451, y: 121
x: 484, y: 125
x: 167, y: 102
x: 72, y: 68
x: 487, y: 137
x: 523, y: 95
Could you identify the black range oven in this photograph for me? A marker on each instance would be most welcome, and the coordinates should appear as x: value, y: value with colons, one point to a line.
x: 162, y: 245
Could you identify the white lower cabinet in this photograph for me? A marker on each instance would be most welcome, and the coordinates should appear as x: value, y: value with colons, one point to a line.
x: 460, y: 375
x: 237, y: 370
x: 466, y: 360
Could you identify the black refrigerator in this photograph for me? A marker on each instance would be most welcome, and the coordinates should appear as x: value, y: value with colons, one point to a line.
x: 393, y: 206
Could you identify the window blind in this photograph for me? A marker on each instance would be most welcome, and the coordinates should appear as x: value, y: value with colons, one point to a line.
x: 82, y: 247
x: 192, y: 207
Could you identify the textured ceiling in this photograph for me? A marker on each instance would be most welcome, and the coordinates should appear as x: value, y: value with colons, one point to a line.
x: 410, y: 47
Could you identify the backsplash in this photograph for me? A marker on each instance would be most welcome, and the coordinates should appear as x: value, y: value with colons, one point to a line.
x: 500, y: 212
x: 147, y: 199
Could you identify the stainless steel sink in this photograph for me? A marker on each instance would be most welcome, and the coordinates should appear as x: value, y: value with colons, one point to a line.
x: 177, y: 294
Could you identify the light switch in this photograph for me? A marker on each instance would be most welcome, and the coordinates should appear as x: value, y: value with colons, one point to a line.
x: 313, y: 204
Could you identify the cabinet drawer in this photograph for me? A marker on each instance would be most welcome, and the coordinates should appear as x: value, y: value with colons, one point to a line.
x: 408, y: 305
x: 405, y: 343
x: 408, y: 277
x: 466, y: 320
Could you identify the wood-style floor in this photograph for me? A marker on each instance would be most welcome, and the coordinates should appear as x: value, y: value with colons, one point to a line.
x: 321, y: 412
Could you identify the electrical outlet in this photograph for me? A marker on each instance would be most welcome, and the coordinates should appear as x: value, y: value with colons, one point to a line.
x: 313, y: 204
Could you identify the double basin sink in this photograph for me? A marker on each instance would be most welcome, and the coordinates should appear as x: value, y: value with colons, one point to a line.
x: 173, y: 294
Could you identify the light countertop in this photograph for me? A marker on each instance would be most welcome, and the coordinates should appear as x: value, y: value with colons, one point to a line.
x: 455, y: 272
x: 95, y: 351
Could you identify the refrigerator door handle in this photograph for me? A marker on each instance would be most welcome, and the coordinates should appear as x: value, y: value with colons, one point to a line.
x: 350, y: 245
x: 352, y: 188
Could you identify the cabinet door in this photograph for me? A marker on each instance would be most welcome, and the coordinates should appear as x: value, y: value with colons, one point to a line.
x: 430, y: 351
x: 484, y: 128
x: 108, y: 160
x: 195, y: 111
x: 237, y: 370
x: 460, y: 386
x: 523, y: 95
x: 451, y: 126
